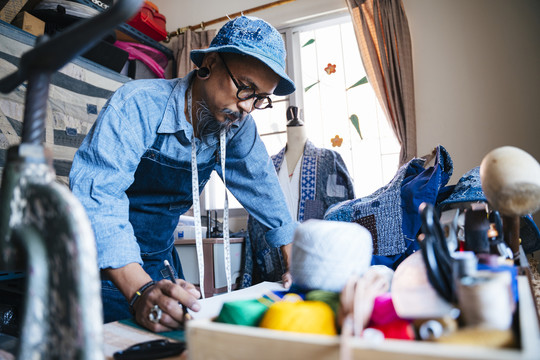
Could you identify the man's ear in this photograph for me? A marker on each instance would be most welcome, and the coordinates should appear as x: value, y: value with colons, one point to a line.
x: 209, y: 60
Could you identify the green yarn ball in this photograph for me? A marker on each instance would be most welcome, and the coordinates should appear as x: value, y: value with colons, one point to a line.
x: 329, y: 297
x: 242, y: 312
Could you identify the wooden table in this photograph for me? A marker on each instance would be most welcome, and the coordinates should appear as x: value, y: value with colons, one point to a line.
x: 119, y: 336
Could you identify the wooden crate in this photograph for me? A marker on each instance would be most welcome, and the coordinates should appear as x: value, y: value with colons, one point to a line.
x: 209, y: 340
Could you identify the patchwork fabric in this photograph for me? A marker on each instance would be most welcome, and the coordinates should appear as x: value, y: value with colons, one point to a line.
x: 391, y: 212
x: 370, y: 223
x: 468, y: 189
x: 381, y: 211
x: 76, y: 95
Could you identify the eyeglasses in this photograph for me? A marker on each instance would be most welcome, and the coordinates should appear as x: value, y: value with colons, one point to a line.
x: 246, y: 92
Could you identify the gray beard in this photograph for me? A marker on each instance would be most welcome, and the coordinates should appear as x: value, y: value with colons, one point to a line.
x: 209, y: 126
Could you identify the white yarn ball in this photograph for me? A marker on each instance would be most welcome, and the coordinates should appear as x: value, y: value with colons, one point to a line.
x: 325, y: 254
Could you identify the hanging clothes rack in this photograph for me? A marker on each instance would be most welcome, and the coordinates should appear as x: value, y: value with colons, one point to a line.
x: 204, y: 24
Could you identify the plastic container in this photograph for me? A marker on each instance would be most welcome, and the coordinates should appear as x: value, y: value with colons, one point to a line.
x: 150, y: 22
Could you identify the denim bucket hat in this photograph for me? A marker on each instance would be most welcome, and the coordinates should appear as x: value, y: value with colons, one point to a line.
x: 251, y: 36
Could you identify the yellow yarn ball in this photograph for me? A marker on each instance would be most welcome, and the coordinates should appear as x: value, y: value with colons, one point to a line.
x: 313, y: 317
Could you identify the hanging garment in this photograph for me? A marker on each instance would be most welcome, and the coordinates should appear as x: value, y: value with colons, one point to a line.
x: 324, y: 181
x: 391, y: 213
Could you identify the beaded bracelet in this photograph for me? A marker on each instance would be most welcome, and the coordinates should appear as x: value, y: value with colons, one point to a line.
x: 138, y: 294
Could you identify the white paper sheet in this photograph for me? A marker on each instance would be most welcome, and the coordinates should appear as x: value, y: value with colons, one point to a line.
x: 210, y: 307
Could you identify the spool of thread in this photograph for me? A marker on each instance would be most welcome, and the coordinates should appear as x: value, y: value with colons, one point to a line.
x: 476, y: 229
x: 435, y: 328
x: 325, y: 254
x: 397, y: 329
x: 312, y: 317
x: 488, y: 259
x: 373, y: 335
x: 486, y: 299
x: 465, y: 264
x: 383, y: 310
x: 431, y: 329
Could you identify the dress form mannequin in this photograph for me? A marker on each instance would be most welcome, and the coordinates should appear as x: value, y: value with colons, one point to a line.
x: 290, y: 173
x: 296, y: 138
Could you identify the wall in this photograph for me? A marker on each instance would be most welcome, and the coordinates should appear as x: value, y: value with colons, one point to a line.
x: 476, y: 73
x: 192, y: 12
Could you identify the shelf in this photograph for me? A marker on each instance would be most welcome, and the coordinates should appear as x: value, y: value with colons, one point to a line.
x: 132, y: 32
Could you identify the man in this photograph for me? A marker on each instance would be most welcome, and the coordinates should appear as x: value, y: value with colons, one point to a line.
x: 133, y: 172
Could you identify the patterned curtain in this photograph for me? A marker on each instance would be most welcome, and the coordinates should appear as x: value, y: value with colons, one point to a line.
x: 184, y: 43
x: 382, y: 32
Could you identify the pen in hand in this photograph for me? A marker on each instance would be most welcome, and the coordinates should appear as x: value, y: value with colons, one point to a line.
x: 185, y: 314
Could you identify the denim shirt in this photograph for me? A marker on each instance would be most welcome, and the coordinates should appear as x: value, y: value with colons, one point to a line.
x: 134, y: 211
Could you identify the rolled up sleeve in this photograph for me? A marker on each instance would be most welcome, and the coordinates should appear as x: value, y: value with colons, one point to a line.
x: 103, y: 168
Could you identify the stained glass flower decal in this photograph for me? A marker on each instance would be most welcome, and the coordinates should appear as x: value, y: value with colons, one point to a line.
x: 336, y: 141
x: 330, y: 69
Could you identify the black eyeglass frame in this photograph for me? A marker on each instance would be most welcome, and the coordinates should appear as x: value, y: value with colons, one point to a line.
x: 246, y: 87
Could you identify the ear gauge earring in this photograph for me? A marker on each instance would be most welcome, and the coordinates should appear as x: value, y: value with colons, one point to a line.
x: 203, y: 72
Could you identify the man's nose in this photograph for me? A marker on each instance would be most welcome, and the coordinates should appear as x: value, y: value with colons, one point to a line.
x: 246, y: 105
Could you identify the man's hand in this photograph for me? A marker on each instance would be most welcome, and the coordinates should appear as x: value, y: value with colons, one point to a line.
x: 168, y: 297
x: 287, y: 280
x: 286, y: 277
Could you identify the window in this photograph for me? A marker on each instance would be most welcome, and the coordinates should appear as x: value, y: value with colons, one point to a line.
x: 324, y: 61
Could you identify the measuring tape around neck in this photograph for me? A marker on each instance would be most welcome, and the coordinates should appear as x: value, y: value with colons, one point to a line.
x: 197, y: 207
x: 226, y: 240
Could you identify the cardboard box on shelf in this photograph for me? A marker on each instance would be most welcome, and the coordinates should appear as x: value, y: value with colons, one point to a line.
x: 10, y: 9
x: 29, y: 23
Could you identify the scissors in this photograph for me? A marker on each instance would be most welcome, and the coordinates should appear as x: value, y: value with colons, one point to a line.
x: 436, y: 254
x: 154, y: 349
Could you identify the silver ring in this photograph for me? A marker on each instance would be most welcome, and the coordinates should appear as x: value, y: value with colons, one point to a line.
x: 155, y: 314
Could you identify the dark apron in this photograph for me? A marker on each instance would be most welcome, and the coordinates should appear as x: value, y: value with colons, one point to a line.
x: 160, y: 193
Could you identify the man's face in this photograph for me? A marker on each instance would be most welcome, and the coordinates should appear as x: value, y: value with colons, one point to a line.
x: 220, y: 91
